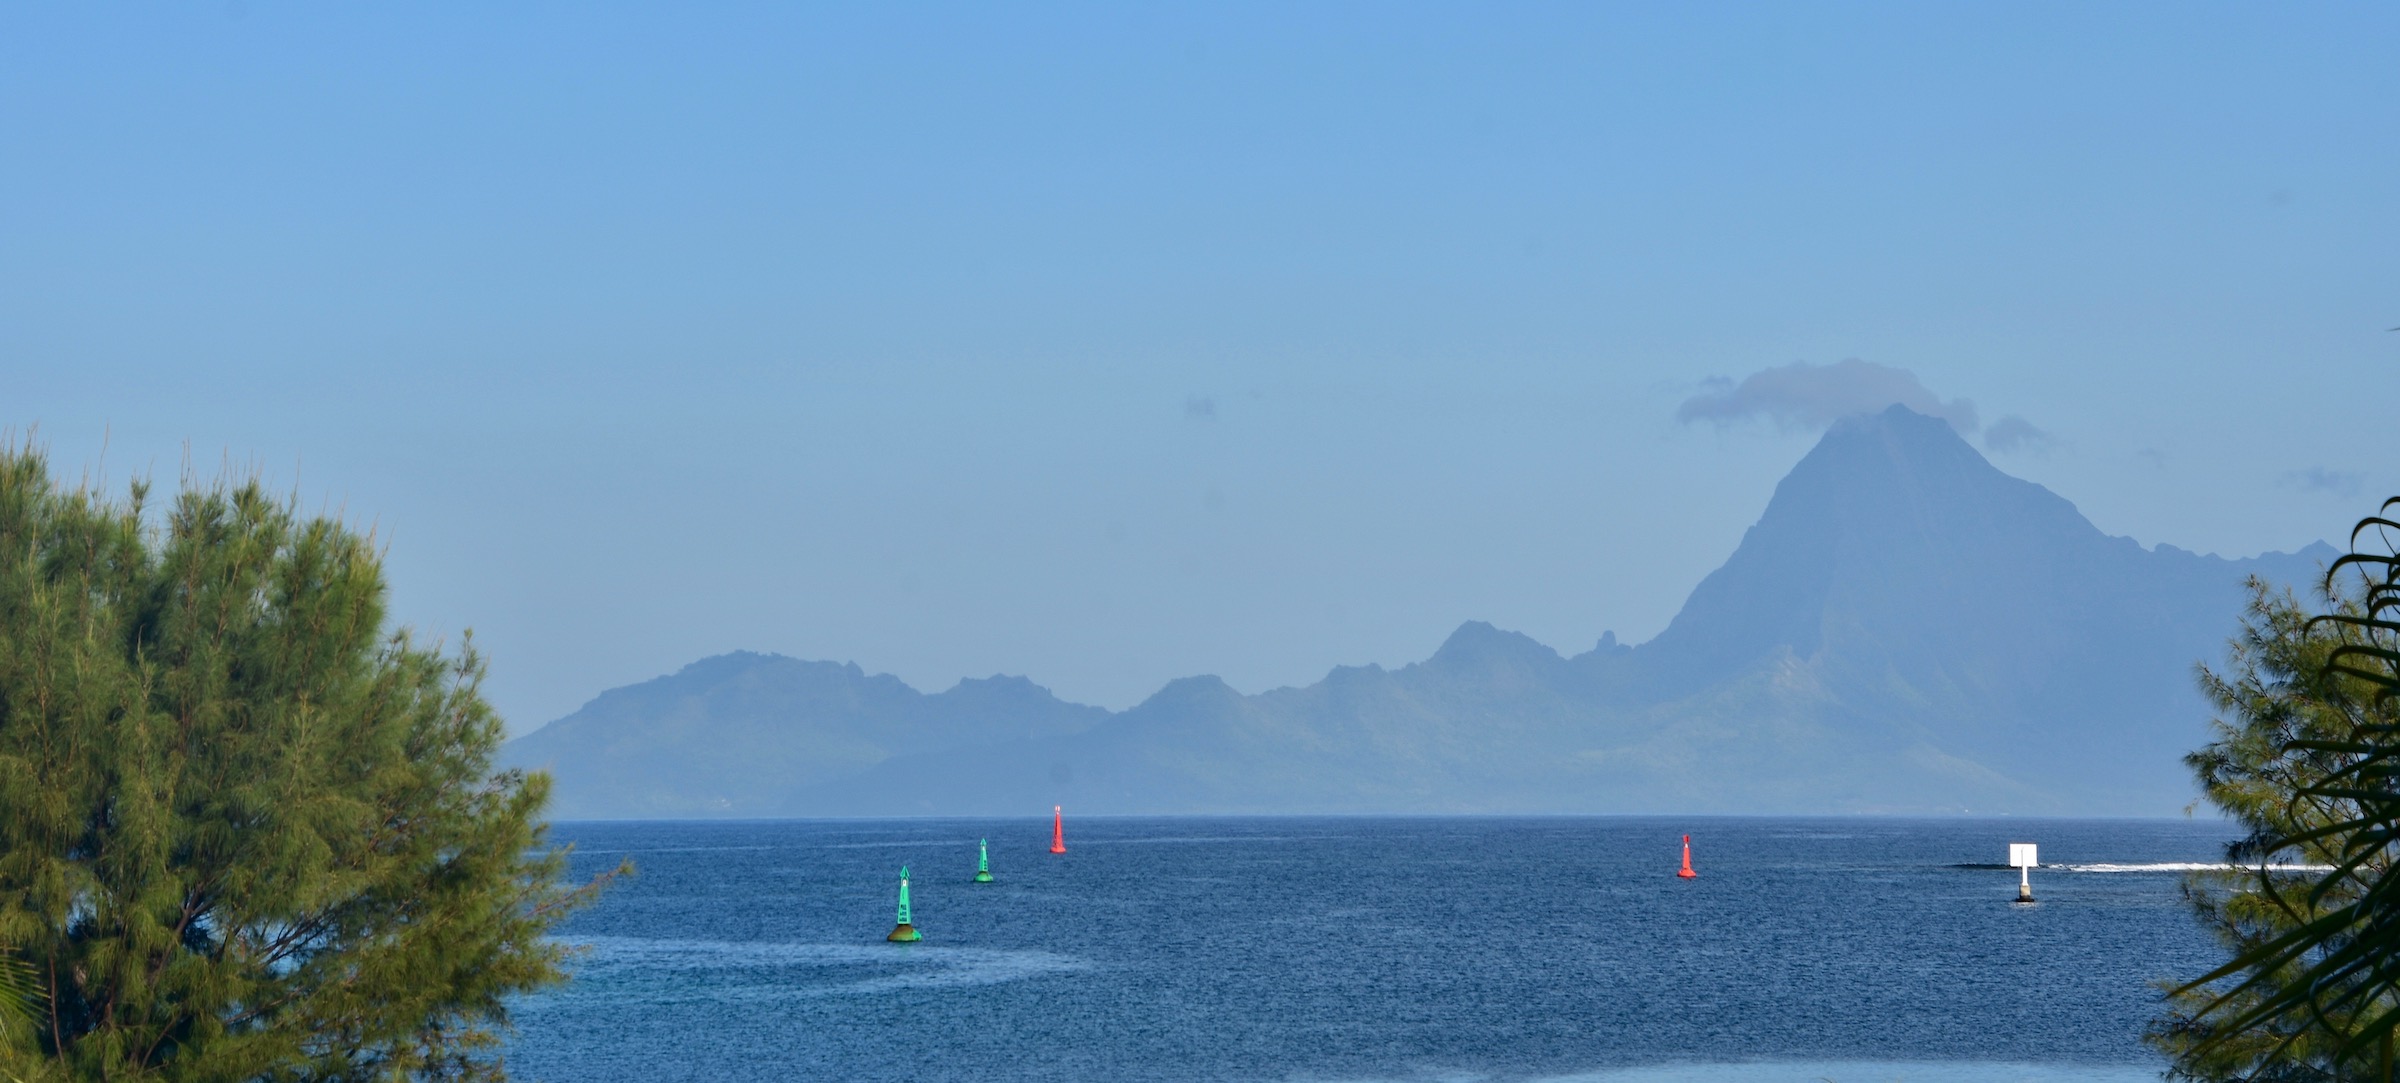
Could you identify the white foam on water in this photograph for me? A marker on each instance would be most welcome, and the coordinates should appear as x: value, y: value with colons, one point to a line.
x: 761, y: 970
x: 2184, y: 866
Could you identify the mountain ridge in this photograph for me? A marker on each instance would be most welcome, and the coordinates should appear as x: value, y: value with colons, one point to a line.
x: 1906, y: 628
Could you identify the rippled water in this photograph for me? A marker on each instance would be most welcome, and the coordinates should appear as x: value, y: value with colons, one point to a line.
x: 1856, y: 950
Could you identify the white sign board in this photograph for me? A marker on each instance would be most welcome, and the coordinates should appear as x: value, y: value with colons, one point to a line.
x: 2020, y: 855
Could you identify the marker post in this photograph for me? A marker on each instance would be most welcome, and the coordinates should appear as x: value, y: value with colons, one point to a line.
x: 2022, y: 855
x: 905, y: 932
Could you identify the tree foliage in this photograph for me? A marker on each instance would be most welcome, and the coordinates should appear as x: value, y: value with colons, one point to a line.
x: 2277, y: 704
x: 2311, y: 764
x: 246, y: 831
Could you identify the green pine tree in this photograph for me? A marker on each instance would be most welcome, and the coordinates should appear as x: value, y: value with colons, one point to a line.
x: 247, y: 831
x: 2285, y: 715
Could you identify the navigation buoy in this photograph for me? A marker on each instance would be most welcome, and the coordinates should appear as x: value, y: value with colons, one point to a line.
x: 2024, y: 855
x: 903, y: 932
x: 983, y: 861
x: 1686, y: 872
x: 1058, y: 831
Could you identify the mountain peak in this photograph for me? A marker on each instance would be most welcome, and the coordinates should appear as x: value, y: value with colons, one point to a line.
x: 1899, y: 435
x: 1897, y: 416
x: 1478, y: 645
x: 1901, y: 470
x: 1189, y: 693
x: 1890, y: 512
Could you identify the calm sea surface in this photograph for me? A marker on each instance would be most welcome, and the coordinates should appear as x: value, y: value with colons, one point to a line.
x: 1370, y: 949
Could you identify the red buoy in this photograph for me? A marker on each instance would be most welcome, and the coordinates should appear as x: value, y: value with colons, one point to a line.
x: 1058, y: 831
x: 1686, y: 872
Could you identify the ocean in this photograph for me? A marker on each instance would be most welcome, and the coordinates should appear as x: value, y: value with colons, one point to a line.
x: 1857, y: 950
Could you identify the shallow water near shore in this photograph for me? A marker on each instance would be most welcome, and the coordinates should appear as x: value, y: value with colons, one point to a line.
x: 1406, y: 949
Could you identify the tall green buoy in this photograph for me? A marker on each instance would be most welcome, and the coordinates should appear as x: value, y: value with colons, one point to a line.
x: 903, y: 932
x: 983, y: 861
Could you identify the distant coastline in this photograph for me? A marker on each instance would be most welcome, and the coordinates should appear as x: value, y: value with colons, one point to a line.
x: 1906, y: 631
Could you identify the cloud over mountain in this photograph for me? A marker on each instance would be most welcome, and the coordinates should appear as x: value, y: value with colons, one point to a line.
x: 1811, y: 397
x: 2013, y: 433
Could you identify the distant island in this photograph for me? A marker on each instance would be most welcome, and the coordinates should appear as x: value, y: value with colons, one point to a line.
x: 1905, y: 630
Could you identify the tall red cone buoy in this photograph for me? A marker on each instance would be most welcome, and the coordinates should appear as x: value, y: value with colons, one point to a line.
x: 1058, y: 831
x: 1686, y: 872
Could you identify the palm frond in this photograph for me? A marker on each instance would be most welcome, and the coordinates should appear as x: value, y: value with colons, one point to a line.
x: 2333, y: 975
x: 21, y: 993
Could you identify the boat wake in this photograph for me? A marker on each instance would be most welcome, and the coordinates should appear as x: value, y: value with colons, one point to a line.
x: 718, y: 970
x: 2150, y: 866
x: 2185, y: 866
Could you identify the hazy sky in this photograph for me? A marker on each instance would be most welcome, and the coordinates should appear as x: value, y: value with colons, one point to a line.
x: 1111, y: 343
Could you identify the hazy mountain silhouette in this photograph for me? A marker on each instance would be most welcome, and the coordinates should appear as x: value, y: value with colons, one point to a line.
x: 1906, y: 629
x: 734, y: 735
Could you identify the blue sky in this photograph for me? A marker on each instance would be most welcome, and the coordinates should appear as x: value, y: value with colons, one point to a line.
x: 1112, y: 343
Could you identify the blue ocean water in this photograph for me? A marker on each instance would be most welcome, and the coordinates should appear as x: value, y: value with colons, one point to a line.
x: 1227, y: 949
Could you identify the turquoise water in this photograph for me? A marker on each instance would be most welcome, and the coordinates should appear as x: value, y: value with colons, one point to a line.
x: 1852, y: 950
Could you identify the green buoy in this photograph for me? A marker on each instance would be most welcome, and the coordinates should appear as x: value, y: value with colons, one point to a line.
x: 983, y: 861
x: 904, y: 932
